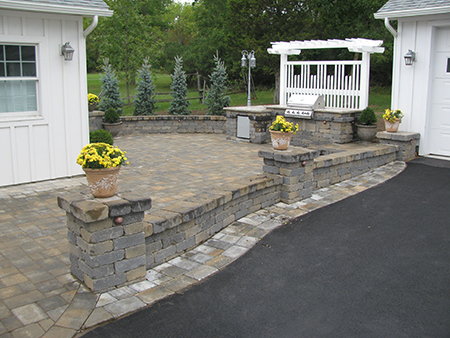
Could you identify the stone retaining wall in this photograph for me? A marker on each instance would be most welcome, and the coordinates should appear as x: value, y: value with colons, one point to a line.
x: 303, y: 170
x: 205, y: 124
x: 114, y: 240
x: 185, y: 224
x: 334, y: 168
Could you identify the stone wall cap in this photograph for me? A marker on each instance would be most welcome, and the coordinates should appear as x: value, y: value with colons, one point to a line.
x: 338, y: 110
x: 65, y: 200
x: 137, y: 202
x: 118, y: 207
x: 398, y: 136
x: 89, y: 211
x: 247, y: 109
x: 96, y: 113
x: 174, y: 118
x: 291, y: 155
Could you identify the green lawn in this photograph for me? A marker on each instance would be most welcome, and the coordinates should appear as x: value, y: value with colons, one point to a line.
x: 379, y: 98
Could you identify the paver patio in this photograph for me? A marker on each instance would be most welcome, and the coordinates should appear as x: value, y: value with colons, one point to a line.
x: 38, y: 295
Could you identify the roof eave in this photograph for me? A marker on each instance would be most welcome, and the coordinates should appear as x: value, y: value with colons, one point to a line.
x: 412, y: 12
x: 53, y: 8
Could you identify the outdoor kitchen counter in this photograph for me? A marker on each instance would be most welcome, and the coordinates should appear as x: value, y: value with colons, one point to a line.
x: 250, y: 123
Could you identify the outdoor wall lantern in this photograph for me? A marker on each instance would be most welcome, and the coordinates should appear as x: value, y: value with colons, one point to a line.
x: 67, y: 50
x: 410, y: 57
x: 250, y: 56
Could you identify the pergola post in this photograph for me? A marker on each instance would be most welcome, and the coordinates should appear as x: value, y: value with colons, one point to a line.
x: 365, y: 75
x: 283, y: 70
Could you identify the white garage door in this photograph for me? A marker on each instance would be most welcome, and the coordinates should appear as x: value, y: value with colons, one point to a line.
x: 439, y: 136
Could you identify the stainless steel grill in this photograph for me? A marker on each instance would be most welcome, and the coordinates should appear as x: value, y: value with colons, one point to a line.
x: 303, y: 106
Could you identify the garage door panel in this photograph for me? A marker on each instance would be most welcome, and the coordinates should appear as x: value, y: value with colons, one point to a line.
x: 441, y: 92
x: 439, y: 118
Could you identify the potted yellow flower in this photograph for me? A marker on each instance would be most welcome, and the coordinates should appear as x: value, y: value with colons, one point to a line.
x: 281, y: 133
x: 93, y: 101
x: 392, y: 119
x: 102, y: 162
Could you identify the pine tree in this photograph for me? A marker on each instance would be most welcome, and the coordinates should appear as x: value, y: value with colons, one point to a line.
x: 215, y: 99
x: 179, y: 105
x: 145, y: 97
x: 110, y: 89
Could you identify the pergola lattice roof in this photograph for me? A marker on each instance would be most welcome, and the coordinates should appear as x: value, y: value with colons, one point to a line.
x: 357, y: 45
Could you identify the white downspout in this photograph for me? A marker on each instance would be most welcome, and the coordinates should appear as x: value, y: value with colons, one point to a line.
x: 91, y: 26
x: 388, y: 26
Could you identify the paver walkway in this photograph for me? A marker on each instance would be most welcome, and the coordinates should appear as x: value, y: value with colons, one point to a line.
x: 38, y: 295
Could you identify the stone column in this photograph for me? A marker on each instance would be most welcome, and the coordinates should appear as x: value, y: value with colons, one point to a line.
x: 407, y: 143
x: 106, y: 239
x: 295, y: 165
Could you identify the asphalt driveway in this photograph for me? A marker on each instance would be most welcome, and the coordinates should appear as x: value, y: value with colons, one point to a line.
x: 376, y: 264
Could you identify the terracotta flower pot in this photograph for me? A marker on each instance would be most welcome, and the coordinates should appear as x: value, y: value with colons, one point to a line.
x: 102, y: 182
x: 392, y: 127
x: 280, y: 140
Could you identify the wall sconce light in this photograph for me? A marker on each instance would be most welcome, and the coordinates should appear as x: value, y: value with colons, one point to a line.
x: 67, y: 50
x: 410, y: 57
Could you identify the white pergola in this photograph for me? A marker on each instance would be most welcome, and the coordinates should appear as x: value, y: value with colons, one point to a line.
x: 340, y: 90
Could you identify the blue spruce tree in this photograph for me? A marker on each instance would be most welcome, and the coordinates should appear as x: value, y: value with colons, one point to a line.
x: 145, y: 98
x: 179, y: 104
x: 110, y: 97
x: 215, y: 98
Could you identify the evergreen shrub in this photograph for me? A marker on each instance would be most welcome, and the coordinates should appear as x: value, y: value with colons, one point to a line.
x: 179, y: 105
x: 367, y: 117
x: 215, y: 98
x: 145, y: 97
x: 110, y: 95
x: 101, y: 136
x: 111, y: 116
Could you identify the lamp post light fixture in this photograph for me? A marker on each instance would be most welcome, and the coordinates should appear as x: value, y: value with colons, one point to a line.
x: 67, y: 51
x: 410, y: 57
x: 250, y: 56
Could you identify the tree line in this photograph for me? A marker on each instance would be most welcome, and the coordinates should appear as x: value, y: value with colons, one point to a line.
x: 161, y: 30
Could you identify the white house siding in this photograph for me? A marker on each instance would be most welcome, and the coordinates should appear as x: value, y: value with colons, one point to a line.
x: 46, y: 146
x: 412, y: 90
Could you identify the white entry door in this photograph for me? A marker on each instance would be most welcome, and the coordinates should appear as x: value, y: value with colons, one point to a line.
x: 439, y: 131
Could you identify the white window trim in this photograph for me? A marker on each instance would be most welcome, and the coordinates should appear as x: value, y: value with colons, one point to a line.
x: 28, y: 115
